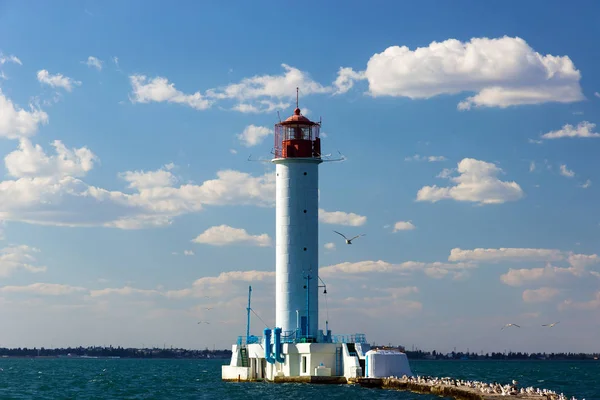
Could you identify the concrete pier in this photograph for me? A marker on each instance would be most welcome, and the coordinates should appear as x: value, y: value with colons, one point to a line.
x: 456, y: 392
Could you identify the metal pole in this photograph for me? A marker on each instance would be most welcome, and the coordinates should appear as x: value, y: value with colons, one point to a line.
x: 248, y: 309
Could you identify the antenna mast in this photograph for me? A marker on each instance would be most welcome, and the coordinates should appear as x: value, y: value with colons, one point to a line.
x: 297, y: 97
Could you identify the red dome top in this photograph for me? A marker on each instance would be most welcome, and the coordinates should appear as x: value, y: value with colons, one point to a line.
x: 298, y: 118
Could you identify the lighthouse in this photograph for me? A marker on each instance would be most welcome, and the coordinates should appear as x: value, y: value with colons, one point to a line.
x: 295, y: 349
x: 297, y: 157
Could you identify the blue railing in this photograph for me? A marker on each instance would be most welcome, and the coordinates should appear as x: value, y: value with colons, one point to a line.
x: 244, y: 340
x: 355, y: 338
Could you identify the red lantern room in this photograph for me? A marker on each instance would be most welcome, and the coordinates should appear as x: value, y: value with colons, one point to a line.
x: 297, y: 137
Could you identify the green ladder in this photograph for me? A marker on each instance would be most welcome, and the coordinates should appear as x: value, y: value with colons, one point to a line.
x: 244, y: 354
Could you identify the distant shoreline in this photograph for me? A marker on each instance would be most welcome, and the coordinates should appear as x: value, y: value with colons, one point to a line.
x: 97, y: 352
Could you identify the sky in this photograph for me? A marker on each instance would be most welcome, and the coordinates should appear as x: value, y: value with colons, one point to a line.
x: 137, y: 198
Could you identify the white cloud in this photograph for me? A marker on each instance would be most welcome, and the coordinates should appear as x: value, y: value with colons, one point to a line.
x: 57, y: 80
x: 596, y: 94
x: 531, y: 166
x: 188, y: 252
x: 262, y: 106
x: 505, y: 254
x: 535, y: 141
x: 329, y: 246
x: 253, y: 135
x: 540, y: 295
x: 233, y: 151
x: 16, y: 122
x: 417, y: 157
x: 49, y: 289
x: 477, y: 182
x: 11, y: 58
x: 48, y: 191
x: 584, y: 129
x: 585, y: 305
x: 14, y: 258
x: 159, y: 89
x: 564, y: 171
x: 93, y: 62
x: 115, y: 59
x: 550, y: 273
x: 150, y: 179
x: 341, y: 218
x: 32, y: 161
x: 404, y: 226
x: 345, y: 80
x: 124, y: 291
x: 407, y: 267
x: 226, y: 235
x: 586, y: 184
x: 270, y: 86
x: 503, y: 72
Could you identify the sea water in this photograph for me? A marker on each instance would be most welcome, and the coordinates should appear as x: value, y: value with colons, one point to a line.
x: 59, y: 378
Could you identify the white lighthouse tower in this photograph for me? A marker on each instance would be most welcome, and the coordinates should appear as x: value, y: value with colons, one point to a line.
x: 297, y: 158
x: 296, y: 350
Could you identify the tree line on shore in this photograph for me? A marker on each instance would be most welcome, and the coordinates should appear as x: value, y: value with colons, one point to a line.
x: 156, y: 352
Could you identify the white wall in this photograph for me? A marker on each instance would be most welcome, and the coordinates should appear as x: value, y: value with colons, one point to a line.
x: 296, y: 231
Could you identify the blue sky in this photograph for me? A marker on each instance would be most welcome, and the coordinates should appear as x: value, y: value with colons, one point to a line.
x: 470, y: 142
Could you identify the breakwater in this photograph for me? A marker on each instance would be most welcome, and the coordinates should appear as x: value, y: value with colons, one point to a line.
x: 461, y: 389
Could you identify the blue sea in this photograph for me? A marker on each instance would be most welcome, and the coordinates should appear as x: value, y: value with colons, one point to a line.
x: 57, y: 378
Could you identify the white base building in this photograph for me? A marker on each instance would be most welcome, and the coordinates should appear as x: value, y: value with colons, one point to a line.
x: 340, y: 362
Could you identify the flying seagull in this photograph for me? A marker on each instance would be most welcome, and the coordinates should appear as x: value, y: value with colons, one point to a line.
x: 349, y: 241
x: 509, y: 325
x: 208, y: 308
x: 551, y: 325
x: 203, y: 322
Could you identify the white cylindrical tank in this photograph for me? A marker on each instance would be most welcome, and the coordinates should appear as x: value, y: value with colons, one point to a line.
x: 297, y: 244
x: 386, y: 363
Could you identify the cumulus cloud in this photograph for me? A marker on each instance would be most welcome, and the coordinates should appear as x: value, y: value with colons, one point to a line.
x: 341, y: 218
x: 329, y: 246
x: 124, y: 291
x: 48, y: 190
x: 564, y: 171
x: 94, y: 62
x: 47, y: 289
x: 188, y: 252
x: 57, y: 80
x: 159, y: 89
x: 418, y: 157
x: 586, y: 184
x: 15, y: 258
x: 477, y: 182
x: 253, y: 135
x: 503, y: 72
x: 540, y: 295
x: 433, y: 269
x: 404, y: 226
x: 32, y: 161
x: 224, y: 235
x: 270, y: 86
x: 584, y: 129
x: 345, y: 80
x: 262, y: 106
x: 505, y: 254
x: 16, y: 122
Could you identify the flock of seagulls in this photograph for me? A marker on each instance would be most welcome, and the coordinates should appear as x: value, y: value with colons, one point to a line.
x: 518, y: 326
x: 487, y: 388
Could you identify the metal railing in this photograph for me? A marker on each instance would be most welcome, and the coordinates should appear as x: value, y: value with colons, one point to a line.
x: 246, y: 340
x: 355, y: 338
